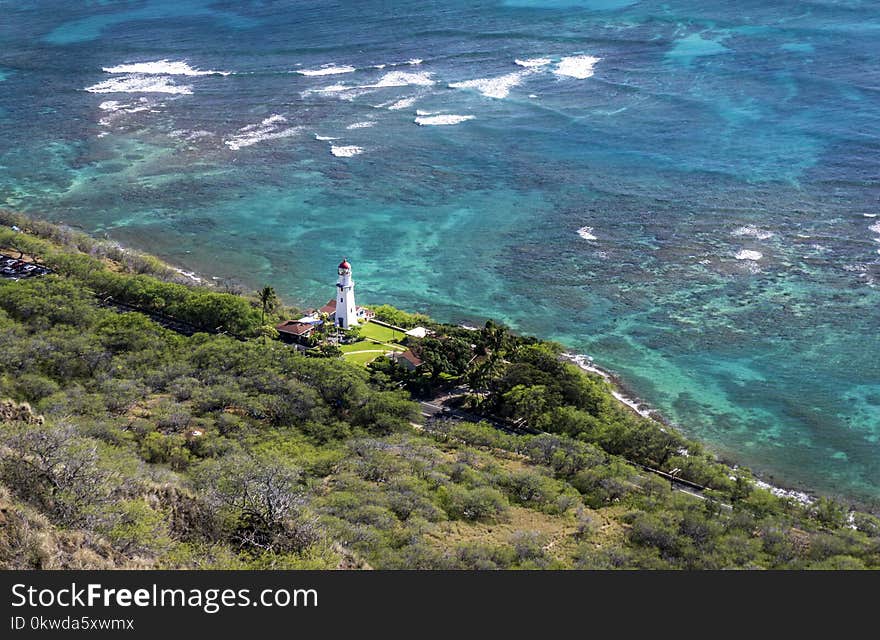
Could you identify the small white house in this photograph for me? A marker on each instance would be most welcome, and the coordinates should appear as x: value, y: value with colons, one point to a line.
x: 417, y: 332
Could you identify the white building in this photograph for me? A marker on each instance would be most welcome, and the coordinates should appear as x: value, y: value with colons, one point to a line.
x: 341, y: 309
x: 346, y: 314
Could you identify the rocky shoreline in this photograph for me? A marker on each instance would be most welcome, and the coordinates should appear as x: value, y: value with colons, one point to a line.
x: 622, y: 395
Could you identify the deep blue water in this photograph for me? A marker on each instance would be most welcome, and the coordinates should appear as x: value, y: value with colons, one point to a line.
x: 724, y: 156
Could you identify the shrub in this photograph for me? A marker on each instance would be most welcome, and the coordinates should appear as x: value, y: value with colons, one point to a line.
x: 391, y: 315
x: 866, y: 523
x: 460, y: 503
x: 56, y: 470
x: 651, y: 530
x: 133, y: 526
x: 33, y: 387
x: 259, y: 500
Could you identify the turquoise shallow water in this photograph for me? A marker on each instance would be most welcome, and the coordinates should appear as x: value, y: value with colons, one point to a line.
x: 694, y: 209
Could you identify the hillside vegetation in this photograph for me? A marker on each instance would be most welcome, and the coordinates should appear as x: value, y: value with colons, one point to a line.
x: 126, y: 444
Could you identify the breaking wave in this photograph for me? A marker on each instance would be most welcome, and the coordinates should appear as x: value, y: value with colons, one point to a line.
x: 586, y: 233
x: 498, y: 87
x: 269, y: 129
x: 442, y: 119
x: 327, y: 70
x: 345, y: 151
x: 580, y: 67
x: 163, y: 67
x: 140, y: 84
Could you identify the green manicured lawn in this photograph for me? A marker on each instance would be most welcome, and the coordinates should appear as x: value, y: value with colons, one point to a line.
x: 366, y: 345
x: 363, y: 357
x: 357, y: 346
x: 380, y: 333
x: 378, y: 340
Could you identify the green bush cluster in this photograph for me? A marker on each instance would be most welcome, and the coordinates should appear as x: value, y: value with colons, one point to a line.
x: 207, y: 451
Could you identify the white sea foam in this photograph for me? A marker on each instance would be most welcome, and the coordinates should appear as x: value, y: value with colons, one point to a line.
x: 366, y: 124
x: 163, y: 67
x: 340, y: 91
x: 876, y: 229
x: 586, y: 363
x: 533, y: 62
x: 110, y: 105
x: 324, y: 138
x: 752, y: 232
x: 140, y: 84
x: 326, y: 70
x: 116, y: 109
x: 345, y: 151
x: 498, y: 87
x: 586, y: 233
x: 333, y: 88
x: 188, y: 274
x: 442, y: 119
x: 273, y: 119
x: 269, y: 129
x: 402, y: 79
x: 797, y: 496
x: 748, y: 254
x: 422, y: 112
x: 191, y: 135
x: 411, y: 61
x: 580, y: 67
x: 403, y: 103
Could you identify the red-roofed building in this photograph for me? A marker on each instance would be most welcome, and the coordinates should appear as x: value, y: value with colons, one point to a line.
x: 361, y: 313
x: 341, y: 310
x: 329, y: 308
x: 295, y: 331
x: 406, y: 359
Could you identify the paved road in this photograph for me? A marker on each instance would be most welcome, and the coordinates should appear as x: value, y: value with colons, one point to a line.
x: 434, y: 409
x: 429, y: 409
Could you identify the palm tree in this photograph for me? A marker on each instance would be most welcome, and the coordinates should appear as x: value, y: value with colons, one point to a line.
x: 497, y: 336
x: 268, y: 302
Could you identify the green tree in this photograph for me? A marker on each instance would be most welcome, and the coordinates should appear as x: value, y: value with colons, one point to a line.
x: 496, y: 337
x: 527, y: 402
x: 268, y: 332
x: 135, y: 527
x: 268, y: 302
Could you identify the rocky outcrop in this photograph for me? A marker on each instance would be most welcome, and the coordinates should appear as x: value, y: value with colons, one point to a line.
x: 13, y: 412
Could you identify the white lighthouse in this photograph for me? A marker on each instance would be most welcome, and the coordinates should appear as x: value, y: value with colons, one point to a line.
x: 346, y: 311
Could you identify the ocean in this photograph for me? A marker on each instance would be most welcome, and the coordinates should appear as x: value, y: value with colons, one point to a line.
x: 687, y: 192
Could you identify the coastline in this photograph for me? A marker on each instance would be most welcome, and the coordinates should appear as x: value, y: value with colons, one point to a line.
x: 641, y: 408
x: 618, y: 388
x: 191, y: 277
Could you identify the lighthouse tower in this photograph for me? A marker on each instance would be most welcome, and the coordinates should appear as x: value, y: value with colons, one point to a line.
x: 346, y: 311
